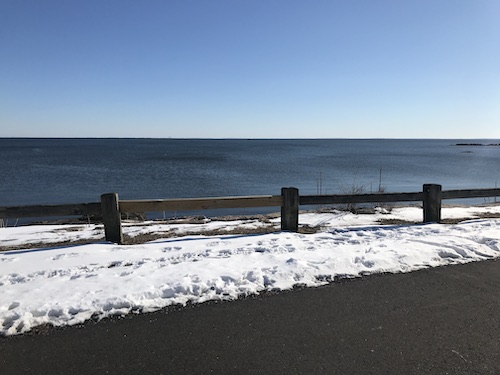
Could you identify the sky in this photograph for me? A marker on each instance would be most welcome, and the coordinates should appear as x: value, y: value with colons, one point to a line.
x: 250, y: 69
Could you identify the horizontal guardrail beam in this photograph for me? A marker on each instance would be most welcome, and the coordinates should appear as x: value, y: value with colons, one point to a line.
x: 199, y: 203
x: 81, y: 209
x: 360, y: 198
x: 471, y: 193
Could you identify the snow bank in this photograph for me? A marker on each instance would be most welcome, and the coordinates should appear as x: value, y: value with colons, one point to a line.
x: 68, y: 285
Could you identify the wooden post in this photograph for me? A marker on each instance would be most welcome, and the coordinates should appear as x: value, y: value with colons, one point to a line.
x: 111, y: 218
x: 290, y: 209
x: 432, y: 203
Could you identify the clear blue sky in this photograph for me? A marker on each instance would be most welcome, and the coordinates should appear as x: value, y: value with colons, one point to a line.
x: 250, y: 68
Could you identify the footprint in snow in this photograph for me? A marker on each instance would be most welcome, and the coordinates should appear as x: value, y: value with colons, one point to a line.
x: 61, y: 256
x: 169, y: 248
x: 13, y: 305
x: 364, y: 262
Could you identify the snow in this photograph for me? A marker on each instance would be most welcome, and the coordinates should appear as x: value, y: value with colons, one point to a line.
x: 66, y: 285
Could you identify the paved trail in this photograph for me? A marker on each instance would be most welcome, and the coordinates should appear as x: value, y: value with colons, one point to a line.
x: 437, y: 321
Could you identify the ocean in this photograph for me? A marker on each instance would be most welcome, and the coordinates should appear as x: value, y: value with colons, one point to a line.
x: 53, y: 171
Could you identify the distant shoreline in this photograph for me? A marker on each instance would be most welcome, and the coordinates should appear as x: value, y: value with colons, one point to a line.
x: 261, y: 139
x: 477, y: 144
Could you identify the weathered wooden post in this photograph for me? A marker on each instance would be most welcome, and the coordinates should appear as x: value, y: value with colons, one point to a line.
x: 111, y: 218
x: 290, y: 209
x: 432, y: 203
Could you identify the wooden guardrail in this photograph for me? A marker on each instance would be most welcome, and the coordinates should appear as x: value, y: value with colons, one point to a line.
x: 111, y: 207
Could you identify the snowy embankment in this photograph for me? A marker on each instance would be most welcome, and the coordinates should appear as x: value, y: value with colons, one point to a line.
x: 68, y: 285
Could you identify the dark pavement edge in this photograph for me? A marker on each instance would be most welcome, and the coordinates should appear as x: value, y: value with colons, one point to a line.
x: 443, y: 320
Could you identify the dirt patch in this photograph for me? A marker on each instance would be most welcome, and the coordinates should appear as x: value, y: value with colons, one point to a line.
x: 395, y: 222
x: 45, y: 245
x: 143, y: 238
x: 489, y: 215
x: 476, y: 215
x: 407, y: 222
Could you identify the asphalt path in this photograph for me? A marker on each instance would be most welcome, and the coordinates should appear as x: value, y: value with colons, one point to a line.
x: 443, y: 320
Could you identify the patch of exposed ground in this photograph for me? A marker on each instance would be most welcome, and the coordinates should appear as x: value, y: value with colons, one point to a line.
x: 44, y: 245
x: 475, y: 215
x: 142, y: 238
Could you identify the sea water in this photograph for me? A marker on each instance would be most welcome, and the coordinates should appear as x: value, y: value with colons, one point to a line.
x: 52, y: 171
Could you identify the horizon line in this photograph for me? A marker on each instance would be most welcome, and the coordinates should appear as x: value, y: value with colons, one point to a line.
x: 257, y: 138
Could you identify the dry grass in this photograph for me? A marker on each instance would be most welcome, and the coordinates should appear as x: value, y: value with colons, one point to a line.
x: 142, y: 238
x: 43, y: 245
x: 477, y: 215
